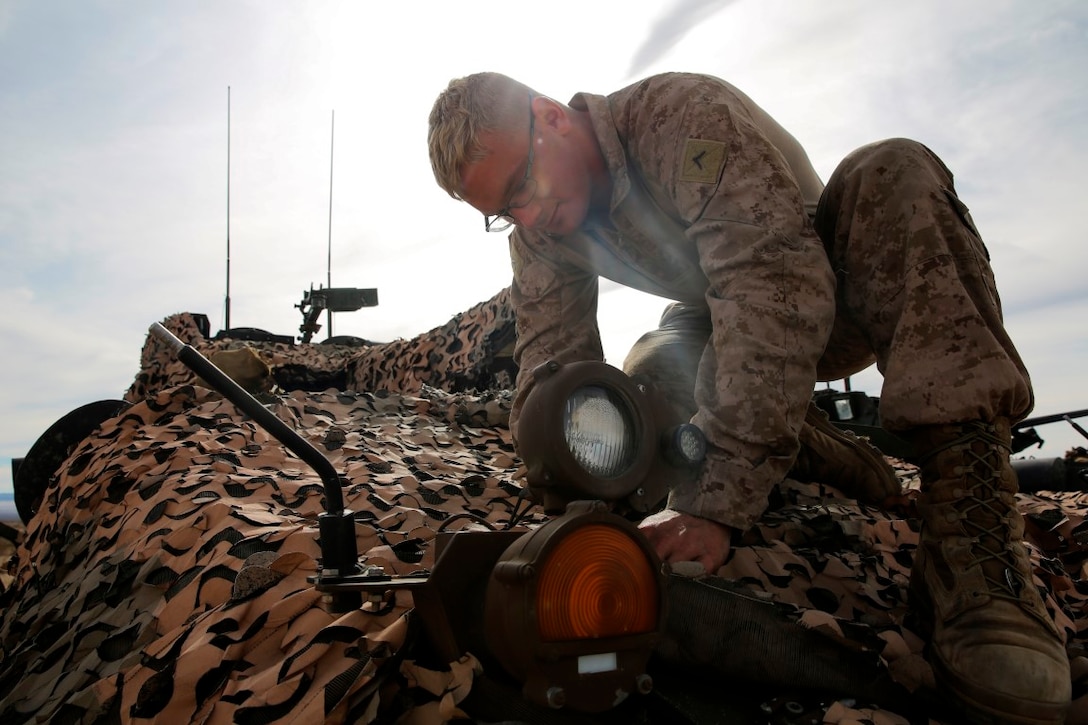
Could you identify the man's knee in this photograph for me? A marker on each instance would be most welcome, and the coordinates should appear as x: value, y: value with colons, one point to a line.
x: 668, y: 357
x: 879, y: 185
x: 894, y: 157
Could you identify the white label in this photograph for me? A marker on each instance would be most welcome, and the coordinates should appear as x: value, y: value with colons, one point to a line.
x: 604, y: 662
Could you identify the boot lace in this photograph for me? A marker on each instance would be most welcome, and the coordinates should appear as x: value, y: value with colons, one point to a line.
x: 985, y: 517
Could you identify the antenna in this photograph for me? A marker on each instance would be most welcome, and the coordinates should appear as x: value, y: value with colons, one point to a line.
x: 226, y: 322
x: 342, y: 299
x: 328, y: 267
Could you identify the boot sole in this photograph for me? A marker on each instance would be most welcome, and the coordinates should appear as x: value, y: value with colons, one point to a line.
x: 1018, y: 712
x: 971, y: 706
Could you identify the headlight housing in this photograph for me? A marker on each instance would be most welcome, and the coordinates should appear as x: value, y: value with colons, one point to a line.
x: 574, y: 609
x: 587, y: 431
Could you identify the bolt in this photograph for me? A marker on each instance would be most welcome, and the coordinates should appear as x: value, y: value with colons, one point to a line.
x: 644, y: 683
x: 556, y: 697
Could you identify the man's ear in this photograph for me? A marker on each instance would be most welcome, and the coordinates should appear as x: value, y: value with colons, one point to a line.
x: 552, y: 114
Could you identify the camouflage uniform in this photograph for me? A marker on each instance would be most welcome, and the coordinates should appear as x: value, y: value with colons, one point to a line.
x: 713, y: 205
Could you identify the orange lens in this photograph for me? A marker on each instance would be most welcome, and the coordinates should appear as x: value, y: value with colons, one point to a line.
x: 597, y: 582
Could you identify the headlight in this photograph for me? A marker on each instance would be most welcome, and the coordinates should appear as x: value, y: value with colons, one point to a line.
x: 599, y: 431
x: 574, y: 609
x: 587, y: 431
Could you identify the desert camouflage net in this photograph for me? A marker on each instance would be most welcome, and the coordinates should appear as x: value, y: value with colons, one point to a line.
x: 470, y: 352
x: 164, y: 578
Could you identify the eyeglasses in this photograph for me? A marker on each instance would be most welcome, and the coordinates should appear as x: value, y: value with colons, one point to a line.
x: 523, y: 194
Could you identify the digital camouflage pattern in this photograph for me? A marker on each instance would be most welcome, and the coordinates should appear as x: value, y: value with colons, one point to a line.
x: 707, y: 209
x: 713, y: 206
x: 164, y: 578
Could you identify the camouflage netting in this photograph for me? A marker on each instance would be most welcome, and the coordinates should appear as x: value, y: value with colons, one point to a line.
x: 165, y: 576
x: 470, y: 352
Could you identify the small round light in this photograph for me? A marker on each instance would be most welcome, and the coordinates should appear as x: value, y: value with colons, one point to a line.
x: 686, y: 445
x: 599, y: 431
x: 596, y: 582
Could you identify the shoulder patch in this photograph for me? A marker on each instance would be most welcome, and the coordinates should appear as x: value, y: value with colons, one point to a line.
x: 702, y: 161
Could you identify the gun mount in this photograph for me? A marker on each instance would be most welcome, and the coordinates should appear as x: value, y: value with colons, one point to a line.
x: 333, y: 299
x: 1024, y: 434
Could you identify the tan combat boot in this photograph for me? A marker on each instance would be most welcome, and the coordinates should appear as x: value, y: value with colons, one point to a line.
x: 992, y: 643
x: 841, y: 459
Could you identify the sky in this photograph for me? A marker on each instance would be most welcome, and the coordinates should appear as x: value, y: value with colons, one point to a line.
x: 114, y: 153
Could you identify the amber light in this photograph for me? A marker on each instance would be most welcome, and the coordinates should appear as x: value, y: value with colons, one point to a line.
x: 596, y: 582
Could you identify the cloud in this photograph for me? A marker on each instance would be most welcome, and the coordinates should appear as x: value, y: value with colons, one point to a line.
x: 7, y: 10
x: 670, y: 28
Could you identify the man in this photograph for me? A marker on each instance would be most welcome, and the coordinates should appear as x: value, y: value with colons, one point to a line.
x: 681, y: 186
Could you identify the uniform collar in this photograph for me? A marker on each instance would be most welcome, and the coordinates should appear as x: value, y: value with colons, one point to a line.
x: 604, y: 128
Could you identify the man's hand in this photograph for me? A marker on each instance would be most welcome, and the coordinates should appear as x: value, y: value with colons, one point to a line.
x: 679, y: 537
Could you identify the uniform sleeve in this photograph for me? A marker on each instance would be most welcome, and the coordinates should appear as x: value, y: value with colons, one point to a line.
x: 556, y: 308
x: 770, y: 294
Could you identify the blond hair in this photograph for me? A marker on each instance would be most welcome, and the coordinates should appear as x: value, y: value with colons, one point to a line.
x: 469, y: 107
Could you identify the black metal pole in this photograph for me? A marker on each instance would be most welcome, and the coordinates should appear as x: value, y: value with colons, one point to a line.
x: 232, y: 391
x: 336, y: 527
x: 328, y: 264
x: 226, y: 321
x: 1044, y: 419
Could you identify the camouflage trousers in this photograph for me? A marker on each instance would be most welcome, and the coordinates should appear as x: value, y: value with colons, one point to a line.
x: 915, y: 294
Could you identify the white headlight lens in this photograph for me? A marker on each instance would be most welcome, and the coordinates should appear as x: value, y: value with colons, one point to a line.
x: 599, y: 431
